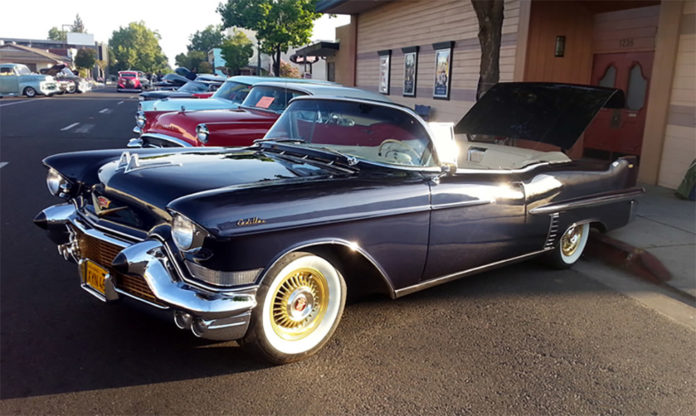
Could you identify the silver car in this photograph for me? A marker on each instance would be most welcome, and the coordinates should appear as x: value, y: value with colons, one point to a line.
x: 17, y: 79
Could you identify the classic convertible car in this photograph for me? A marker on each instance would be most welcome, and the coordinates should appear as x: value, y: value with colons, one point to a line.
x: 261, y: 244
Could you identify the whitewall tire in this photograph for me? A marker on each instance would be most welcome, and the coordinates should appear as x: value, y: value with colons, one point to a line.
x: 300, y: 304
x: 570, y: 246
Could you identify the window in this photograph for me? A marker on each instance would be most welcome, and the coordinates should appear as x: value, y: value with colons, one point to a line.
x: 609, y: 78
x: 637, y: 87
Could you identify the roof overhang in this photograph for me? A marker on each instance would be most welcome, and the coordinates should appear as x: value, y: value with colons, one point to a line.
x: 348, y: 6
x: 316, y: 50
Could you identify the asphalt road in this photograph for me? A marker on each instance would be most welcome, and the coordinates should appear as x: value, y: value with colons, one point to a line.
x: 520, y: 340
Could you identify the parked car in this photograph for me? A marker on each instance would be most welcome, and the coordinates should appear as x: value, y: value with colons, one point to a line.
x: 170, y: 82
x: 69, y: 82
x: 17, y: 79
x: 256, y: 114
x: 192, y: 89
x: 132, y: 81
x: 261, y: 244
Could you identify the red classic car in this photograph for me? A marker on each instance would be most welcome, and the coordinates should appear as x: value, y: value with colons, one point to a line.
x: 239, y: 127
x: 131, y: 81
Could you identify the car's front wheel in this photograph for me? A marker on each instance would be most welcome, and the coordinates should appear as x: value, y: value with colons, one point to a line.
x: 300, y: 303
x: 570, y: 246
x: 30, y: 92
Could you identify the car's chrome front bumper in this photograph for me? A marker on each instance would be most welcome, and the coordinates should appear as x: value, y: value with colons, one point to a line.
x: 220, y: 315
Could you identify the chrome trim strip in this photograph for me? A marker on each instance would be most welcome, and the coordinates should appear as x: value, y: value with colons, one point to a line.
x: 170, y: 139
x: 454, y: 276
x: 588, y: 202
x: 86, y: 215
x: 124, y: 293
x: 463, y: 204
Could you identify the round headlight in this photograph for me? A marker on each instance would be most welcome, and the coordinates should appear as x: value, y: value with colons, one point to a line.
x: 140, y: 120
x: 56, y: 183
x: 202, y: 133
x: 183, y: 232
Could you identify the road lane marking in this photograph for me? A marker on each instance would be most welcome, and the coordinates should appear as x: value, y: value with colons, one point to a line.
x: 105, y: 111
x: 120, y: 102
x: 85, y: 128
x: 20, y: 102
x: 3, y: 164
x: 69, y: 127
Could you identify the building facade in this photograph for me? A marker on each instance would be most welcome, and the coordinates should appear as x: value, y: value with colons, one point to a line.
x: 426, y: 53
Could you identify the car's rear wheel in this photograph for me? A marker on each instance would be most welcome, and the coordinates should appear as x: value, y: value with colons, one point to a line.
x: 570, y: 246
x: 300, y: 304
x: 30, y: 92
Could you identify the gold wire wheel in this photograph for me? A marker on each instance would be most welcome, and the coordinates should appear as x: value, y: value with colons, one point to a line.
x: 571, y: 240
x: 299, y: 304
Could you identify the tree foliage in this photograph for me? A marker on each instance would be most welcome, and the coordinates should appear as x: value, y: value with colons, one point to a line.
x: 56, y: 34
x: 206, y: 39
x: 78, y: 25
x: 279, y: 24
x: 236, y: 52
x: 137, y: 47
x: 85, y: 58
x: 192, y: 60
x: 490, y: 19
x: 287, y: 70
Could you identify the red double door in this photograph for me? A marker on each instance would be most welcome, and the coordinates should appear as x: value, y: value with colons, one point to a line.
x: 621, y: 130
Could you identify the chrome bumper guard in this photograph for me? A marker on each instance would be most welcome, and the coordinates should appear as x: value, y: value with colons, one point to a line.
x: 211, y: 315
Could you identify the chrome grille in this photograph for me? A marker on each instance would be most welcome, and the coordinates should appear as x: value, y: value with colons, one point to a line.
x: 103, y: 253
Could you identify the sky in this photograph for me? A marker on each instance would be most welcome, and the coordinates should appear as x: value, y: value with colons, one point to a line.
x: 174, y: 22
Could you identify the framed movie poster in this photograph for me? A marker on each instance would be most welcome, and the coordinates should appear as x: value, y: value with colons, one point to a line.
x: 443, y: 69
x: 384, y: 68
x: 410, y: 71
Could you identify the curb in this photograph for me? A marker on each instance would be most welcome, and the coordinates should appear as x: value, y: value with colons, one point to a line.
x: 632, y: 259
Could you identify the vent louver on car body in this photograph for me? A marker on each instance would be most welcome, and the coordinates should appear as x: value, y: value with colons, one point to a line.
x: 553, y: 231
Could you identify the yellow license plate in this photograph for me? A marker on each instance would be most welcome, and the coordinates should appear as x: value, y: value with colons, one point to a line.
x: 94, y: 276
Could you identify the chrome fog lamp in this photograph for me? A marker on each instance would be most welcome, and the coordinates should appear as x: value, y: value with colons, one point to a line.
x: 57, y: 184
x: 186, y: 234
x: 202, y: 133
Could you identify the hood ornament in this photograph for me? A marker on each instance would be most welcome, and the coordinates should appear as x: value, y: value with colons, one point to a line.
x: 131, y: 162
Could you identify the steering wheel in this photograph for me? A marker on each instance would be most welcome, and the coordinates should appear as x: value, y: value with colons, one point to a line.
x: 397, y: 147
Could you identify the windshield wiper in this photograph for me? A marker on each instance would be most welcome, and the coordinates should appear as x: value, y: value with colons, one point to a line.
x: 352, y: 160
x: 280, y: 140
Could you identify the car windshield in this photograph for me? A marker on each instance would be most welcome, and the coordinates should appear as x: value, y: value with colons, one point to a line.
x: 371, y: 132
x: 193, y: 86
x: 233, y: 91
x: 270, y: 98
x: 127, y: 75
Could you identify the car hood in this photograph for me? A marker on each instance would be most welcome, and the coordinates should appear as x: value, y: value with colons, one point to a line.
x: 194, y: 104
x: 550, y: 113
x: 154, y: 180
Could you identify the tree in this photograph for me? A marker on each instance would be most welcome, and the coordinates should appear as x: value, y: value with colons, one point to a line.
x: 204, y: 68
x: 85, y: 58
x: 55, y: 34
x: 288, y: 70
x: 490, y: 19
x: 137, y: 47
x: 191, y: 60
x: 77, y: 25
x: 236, y: 52
x: 207, y: 39
x: 279, y: 24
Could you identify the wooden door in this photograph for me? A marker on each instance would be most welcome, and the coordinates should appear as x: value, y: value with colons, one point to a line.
x: 621, y: 130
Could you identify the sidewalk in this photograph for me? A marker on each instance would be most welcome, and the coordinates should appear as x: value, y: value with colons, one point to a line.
x: 659, y: 245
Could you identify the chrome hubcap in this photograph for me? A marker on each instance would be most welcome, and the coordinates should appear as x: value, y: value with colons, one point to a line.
x: 299, y: 304
x: 571, y: 240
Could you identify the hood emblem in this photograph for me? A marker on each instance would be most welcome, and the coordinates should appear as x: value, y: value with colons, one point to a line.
x: 102, y: 204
